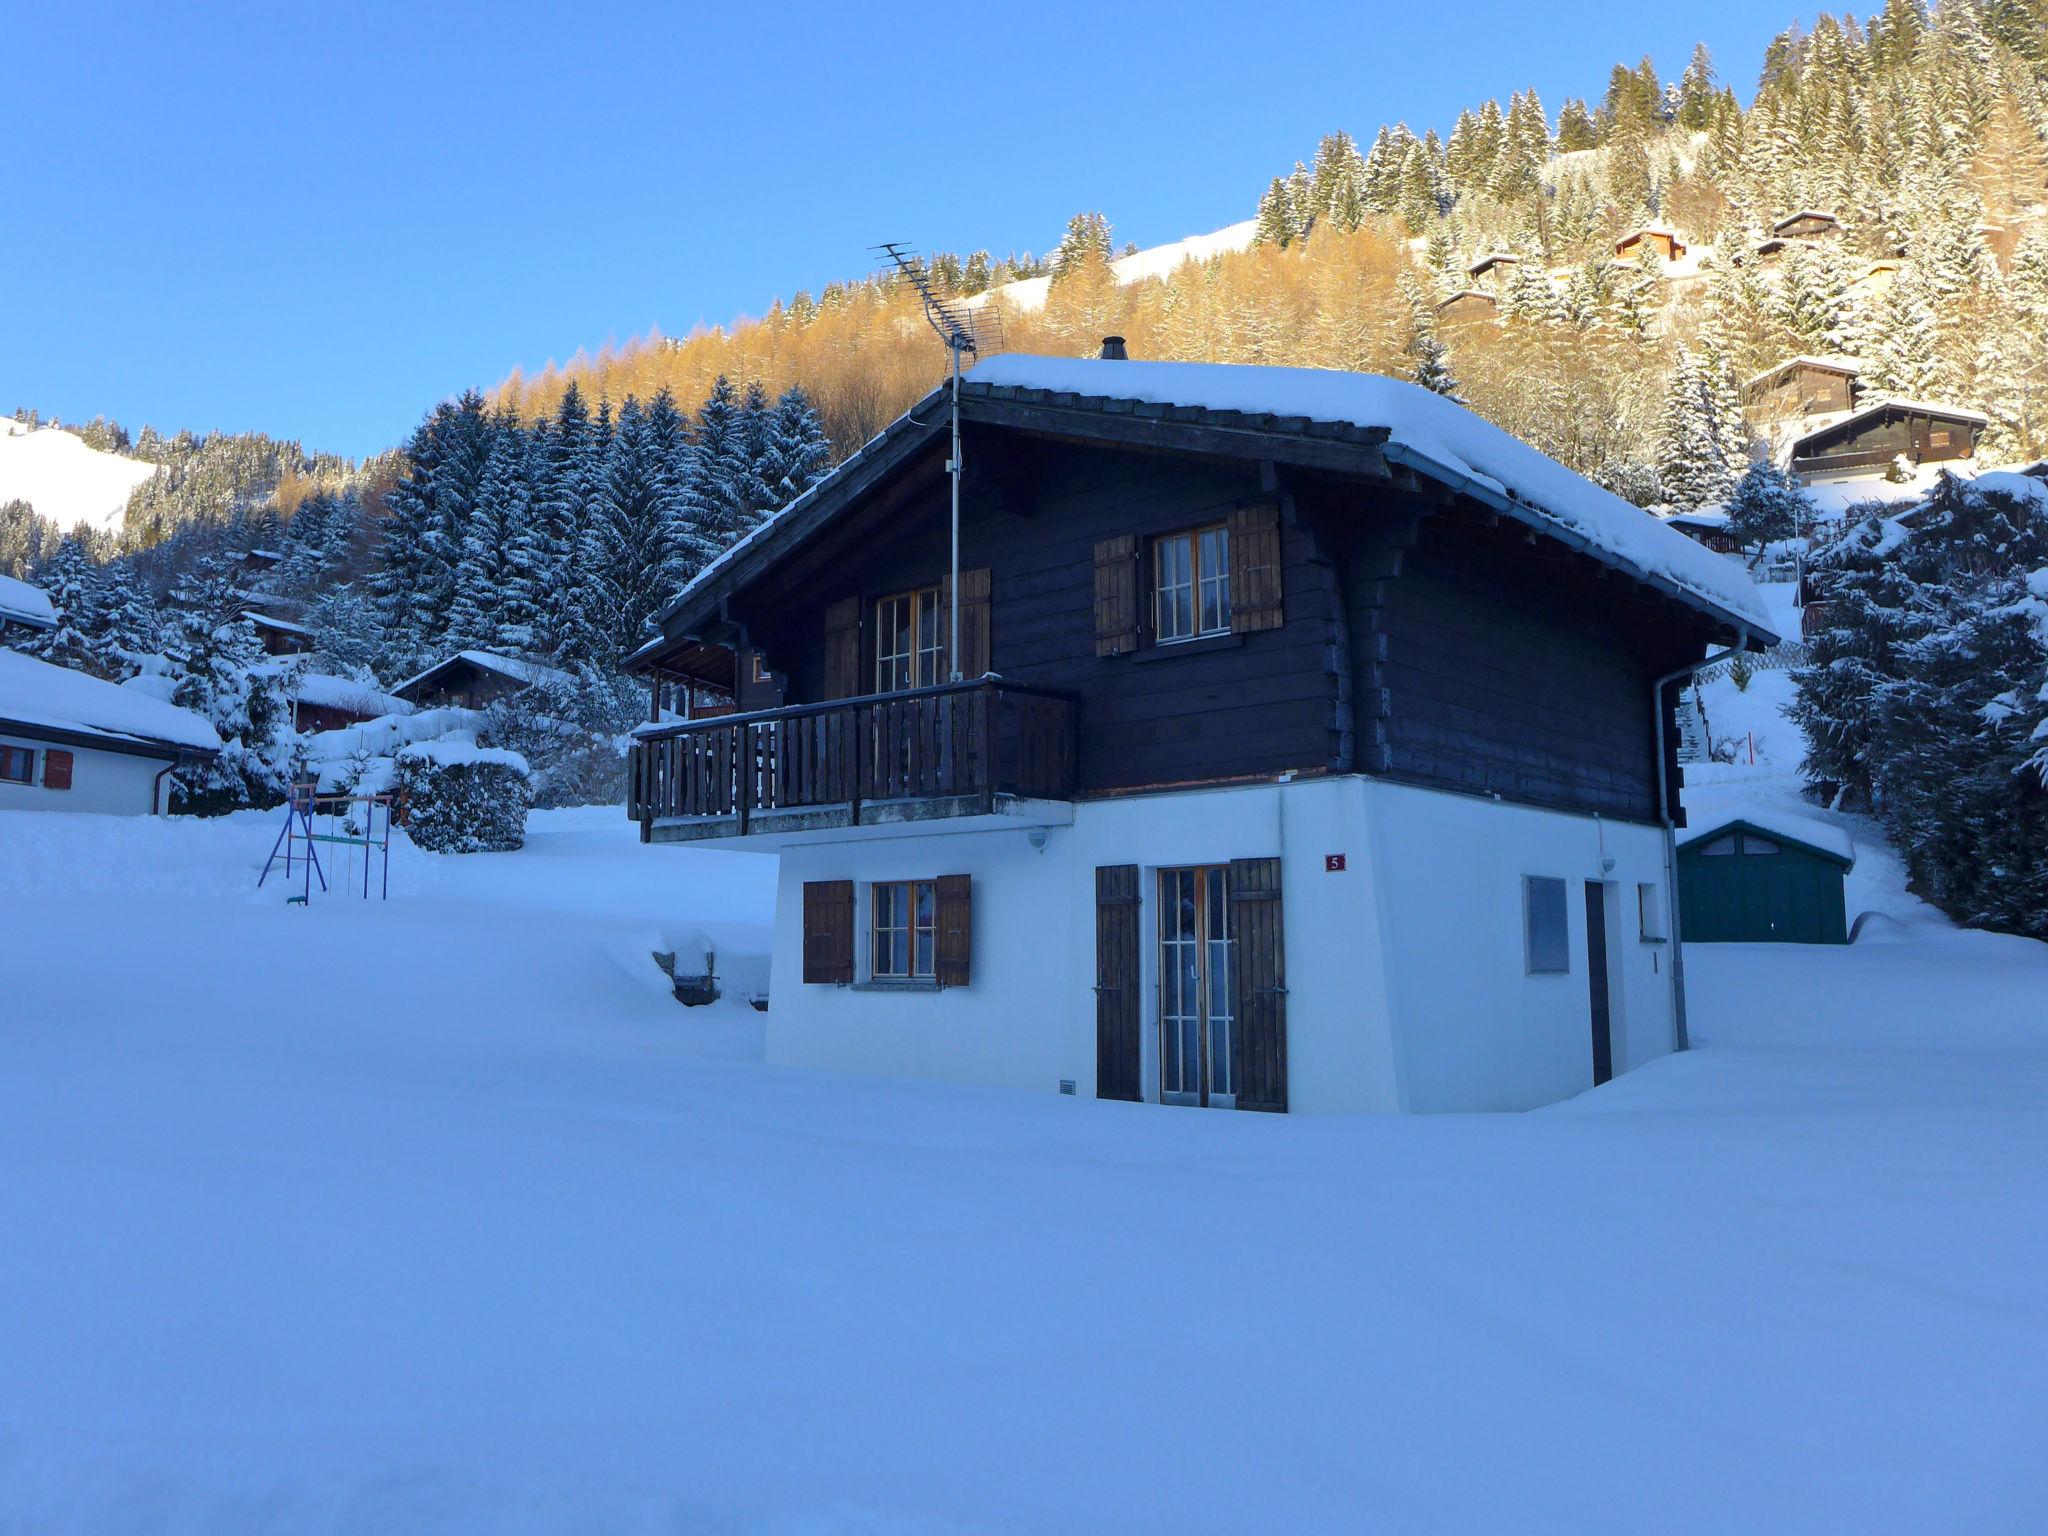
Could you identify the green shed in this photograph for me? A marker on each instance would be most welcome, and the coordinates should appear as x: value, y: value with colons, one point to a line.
x: 1763, y: 877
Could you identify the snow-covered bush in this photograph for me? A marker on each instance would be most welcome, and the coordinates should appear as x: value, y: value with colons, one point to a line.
x: 462, y: 798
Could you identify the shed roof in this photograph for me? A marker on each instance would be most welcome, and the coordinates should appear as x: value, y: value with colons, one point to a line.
x: 1814, y: 835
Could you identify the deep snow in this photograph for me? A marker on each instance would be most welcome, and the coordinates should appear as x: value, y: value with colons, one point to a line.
x: 441, y: 1216
x: 65, y: 480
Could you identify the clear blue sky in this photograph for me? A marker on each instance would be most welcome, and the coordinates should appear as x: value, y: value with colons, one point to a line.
x: 315, y: 220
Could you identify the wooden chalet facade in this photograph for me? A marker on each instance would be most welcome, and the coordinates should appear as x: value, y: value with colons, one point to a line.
x: 1253, y: 716
x: 1872, y: 437
x: 1664, y: 242
x: 1802, y: 387
x: 1472, y: 304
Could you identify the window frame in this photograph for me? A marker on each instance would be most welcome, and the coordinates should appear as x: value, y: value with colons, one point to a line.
x: 906, y: 933
x: 1649, y: 913
x: 1530, y: 958
x: 28, y: 757
x: 925, y: 662
x: 1204, y: 579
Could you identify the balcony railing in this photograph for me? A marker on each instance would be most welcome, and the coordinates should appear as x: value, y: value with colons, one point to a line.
x: 945, y: 751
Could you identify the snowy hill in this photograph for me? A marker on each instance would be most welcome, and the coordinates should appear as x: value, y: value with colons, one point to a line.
x: 63, y: 479
x: 1028, y: 294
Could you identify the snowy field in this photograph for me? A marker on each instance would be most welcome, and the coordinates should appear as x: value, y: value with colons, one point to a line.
x: 441, y: 1216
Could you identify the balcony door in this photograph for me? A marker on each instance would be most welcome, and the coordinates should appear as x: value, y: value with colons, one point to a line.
x: 1197, y: 1028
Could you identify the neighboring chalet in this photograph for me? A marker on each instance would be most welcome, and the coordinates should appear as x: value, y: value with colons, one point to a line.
x: 323, y: 702
x: 1467, y: 306
x: 1872, y: 437
x: 25, y: 609
x: 1808, y: 224
x: 1709, y: 527
x: 1802, y: 388
x: 279, y: 636
x: 472, y: 680
x: 71, y: 742
x: 1303, y: 749
x: 1494, y: 271
x: 1664, y: 242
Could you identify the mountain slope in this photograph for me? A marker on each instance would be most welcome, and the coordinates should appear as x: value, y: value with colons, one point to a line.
x: 64, y: 480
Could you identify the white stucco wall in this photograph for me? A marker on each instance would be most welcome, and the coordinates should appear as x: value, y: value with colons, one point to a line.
x: 1421, y: 928
x: 104, y: 783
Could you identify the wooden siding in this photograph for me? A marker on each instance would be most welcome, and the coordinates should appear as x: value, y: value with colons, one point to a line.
x: 1802, y: 391
x: 1877, y: 439
x: 1494, y: 675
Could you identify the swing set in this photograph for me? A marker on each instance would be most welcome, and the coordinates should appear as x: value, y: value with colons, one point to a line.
x: 346, y: 827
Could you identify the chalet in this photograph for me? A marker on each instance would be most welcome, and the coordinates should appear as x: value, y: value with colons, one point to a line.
x: 1874, y: 436
x: 1664, y: 242
x: 323, y: 702
x: 1807, y: 224
x: 1467, y: 306
x: 279, y: 636
x: 24, y: 610
x: 1802, y: 387
x: 1494, y: 270
x: 1870, y: 285
x: 474, y: 679
x: 71, y: 742
x: 1304, y: 745
x: 1709, y: 527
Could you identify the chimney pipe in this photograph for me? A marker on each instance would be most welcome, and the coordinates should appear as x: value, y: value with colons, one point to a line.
x: 1113, y: 350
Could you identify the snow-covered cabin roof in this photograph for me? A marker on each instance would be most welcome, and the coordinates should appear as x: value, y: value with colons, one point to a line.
x: 329, y: 691
x: 25, y: 604
x: 1702, y: 517
x: 515, y: 667
x: 1490, y: 260
x: 1805, y: 213
x: 1826, y: 362
x: 1426, y: 433
x: 36, y: 695
x: 1809, y: 832
x: 1466, y: 293
x: 272, y: 621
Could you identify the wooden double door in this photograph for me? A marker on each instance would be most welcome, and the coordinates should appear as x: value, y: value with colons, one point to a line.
x: 1218, y: 1009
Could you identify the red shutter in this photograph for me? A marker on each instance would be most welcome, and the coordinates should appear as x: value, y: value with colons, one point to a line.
x: 1116, y: 596
x: 1255, y: 568
x: 828, y: 931
x: 956, y: 929
x: 56, y: 769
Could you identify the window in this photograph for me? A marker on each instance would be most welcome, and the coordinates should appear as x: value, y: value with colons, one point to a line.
x: 17, y: 765
x: 1191, y: 584
x: 1546, y: 933
x: 1720, y: 848
x: 903, y: 930
x: 1649, y: 914
x: 1753, y: 845
x: 909, y: 644
x: 761, y: 672
x: 1732, y: 843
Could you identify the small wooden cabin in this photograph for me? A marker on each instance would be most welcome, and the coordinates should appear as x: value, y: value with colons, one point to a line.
x: 473, y: 680
x: 1469, y: 306
x: 1664, y: 242
x: 1872, y: 437
x: 1707, y: 527
x: 1763, y: 878
x: 1804, y: 386
x: 1495, y: 269
x: 280, y: 637
x: 1807, y: 224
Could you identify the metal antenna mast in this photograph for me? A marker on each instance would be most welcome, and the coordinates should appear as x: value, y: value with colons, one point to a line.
x: 963, y: 327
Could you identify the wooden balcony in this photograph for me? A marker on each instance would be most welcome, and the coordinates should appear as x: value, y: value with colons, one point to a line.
x: 961, y: 749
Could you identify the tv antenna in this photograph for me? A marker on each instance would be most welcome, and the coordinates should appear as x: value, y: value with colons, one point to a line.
x: 963, y: 327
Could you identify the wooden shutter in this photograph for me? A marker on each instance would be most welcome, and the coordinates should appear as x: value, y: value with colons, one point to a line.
x: 1258, y: 982
x: 1255, y: 568
x: 56, y: 769
x: 974, y: 621
x: 842, y: 649
x: 1116, y: 596
x: 1116, y: 983
x: 828, y: 931
x: 956, y: 927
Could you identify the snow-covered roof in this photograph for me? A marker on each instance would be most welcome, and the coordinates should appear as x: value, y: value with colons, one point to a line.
x: 515, y: 667
x: 1650, y: 231
x: 1805, y: 213
x: 1808, y: 831
x: 1830, y: 363
x: 266, y: 554
x: 1895, y: 403
x: 2013, y: 483
x: 35, y: 693
x: 1432, y: 435
x: 459, y: 749
x: 329, y: 691
x: 1703, y: 517
x: 1492, y: 259
x: 24, y: 603
x: 271, y: 621
x: 1466, y: 293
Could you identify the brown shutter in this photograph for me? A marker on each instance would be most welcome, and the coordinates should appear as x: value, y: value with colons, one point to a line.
x: 828, y: 931
x: 1258, y: 982
x: 974, y: 617
x: 1255, y: 568
x: 56, y: 769
x: 956, y: 926
x: 842, y: 649
x: 1116, y: 596
x: 1116, y: 982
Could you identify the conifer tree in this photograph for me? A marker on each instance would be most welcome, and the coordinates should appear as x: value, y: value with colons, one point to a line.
x: 68, y: 580
x: 1429, y: 362
x: 1275, y: 223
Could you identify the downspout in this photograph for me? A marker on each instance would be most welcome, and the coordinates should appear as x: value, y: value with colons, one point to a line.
x: 156, y: 789
x: 1681, y: 1039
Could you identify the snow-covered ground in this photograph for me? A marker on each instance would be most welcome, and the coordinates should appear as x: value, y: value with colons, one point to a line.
x: 441, y: 1216
x: 56, y: 473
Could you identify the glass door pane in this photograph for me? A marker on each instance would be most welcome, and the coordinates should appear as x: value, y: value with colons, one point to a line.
x: 1180, y: 990
x: 1216, y: 996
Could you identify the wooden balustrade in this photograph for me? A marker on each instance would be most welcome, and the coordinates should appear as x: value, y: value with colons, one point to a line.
x: 961, y: 742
